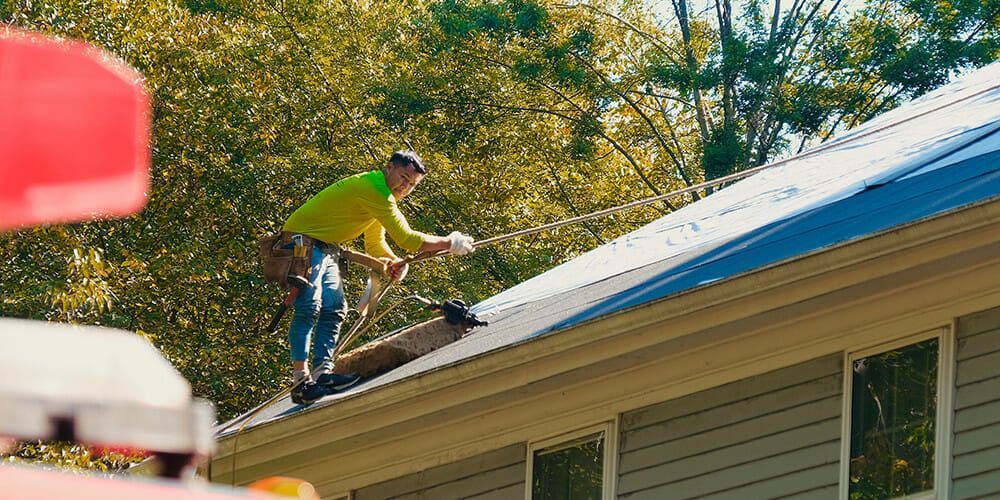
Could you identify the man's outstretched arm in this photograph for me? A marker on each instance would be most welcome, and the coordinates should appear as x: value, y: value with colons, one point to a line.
x: 456, y: 243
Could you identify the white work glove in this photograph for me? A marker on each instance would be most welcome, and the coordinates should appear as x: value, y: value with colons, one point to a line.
x: 461, y: 244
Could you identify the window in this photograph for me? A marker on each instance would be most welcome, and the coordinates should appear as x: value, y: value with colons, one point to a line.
x: 574, y: 467
x: 894, y: 423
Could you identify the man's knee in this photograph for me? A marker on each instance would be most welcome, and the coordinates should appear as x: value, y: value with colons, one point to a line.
x: 335, y: 304
x: 334, y: 314
x: 309, y: 311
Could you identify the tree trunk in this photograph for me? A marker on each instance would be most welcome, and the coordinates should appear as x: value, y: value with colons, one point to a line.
x: 680, y: 8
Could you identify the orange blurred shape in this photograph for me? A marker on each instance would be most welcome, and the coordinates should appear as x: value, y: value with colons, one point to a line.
x: 286, y: 487
x: 128, y: 451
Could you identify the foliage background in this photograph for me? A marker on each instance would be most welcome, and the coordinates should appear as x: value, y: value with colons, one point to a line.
x: 527, y: 111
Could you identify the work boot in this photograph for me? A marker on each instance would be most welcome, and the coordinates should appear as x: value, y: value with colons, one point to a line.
x: 308, y: 393
x: 336, y: 381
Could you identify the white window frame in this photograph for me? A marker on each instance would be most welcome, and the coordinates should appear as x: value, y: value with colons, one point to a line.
x: 610, y: 466
x: 943, y: 423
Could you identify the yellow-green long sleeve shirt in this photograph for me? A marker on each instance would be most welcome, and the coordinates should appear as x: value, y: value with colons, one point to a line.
x: 356, y: 205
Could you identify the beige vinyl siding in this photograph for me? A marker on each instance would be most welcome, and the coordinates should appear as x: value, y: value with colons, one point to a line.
x: 976, y: 448
x: 773, y: 435
x: 495, y: 475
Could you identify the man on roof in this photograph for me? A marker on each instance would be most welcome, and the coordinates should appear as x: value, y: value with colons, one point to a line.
x: 360, y: 204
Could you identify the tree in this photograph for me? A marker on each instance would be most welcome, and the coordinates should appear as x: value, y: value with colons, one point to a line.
x: 718, y: 89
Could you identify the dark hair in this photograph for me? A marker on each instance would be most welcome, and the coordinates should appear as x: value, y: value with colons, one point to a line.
x: 406, y: 157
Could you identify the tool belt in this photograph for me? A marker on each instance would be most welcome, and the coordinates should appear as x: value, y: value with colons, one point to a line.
x: 281, y: 257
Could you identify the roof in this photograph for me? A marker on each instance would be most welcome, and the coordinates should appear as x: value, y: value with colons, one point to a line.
x: 934, y: 155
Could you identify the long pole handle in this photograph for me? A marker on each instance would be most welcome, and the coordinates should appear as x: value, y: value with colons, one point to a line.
x: 601, y: 213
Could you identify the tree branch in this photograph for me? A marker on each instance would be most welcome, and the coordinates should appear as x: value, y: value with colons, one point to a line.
x: 568, y: 200
x: 645, y: 118
x: 663, y: 48
x: 635, y: 165
x: 338, y: 100
x: 662, y: 96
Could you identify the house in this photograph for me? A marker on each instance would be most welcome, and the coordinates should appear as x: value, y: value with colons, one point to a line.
x: 828, y: 328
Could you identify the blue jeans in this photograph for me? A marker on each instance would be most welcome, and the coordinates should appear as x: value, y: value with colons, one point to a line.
x: 322, y: 307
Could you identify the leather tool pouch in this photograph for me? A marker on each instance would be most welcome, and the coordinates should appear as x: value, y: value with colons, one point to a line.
x: 281, y: 257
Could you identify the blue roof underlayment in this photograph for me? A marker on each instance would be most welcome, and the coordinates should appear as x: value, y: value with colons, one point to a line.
x: 872, y: 211
x: 924, y: 186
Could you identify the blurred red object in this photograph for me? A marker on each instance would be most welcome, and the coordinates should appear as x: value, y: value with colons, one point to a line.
x: 74, y: 132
